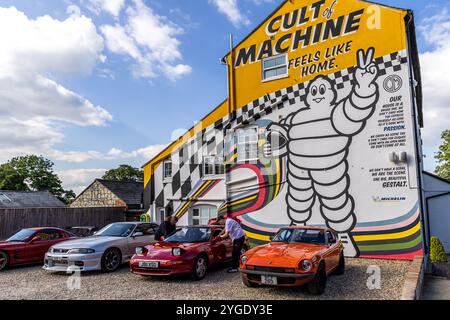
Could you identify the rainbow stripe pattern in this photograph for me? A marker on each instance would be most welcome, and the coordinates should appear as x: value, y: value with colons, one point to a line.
x: 399, y: 238
x: 200, y: 190
x: 270, y: 179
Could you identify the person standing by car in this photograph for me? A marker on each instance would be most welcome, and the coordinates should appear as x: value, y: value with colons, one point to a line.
x: 166, y: 228
x: 234, y: 231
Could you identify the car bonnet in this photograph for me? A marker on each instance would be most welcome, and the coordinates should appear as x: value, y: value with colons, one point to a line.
x: 282, y: 254
x: 87, y: 243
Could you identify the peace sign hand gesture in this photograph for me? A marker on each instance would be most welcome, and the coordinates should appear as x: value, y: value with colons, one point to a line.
x: 367, y: 70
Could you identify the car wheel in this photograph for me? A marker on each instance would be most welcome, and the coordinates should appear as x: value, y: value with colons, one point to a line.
x: 200, y: 268
x: 111, y: 260
x: 4, y: 260
x: 340, y: 269
x: 318, y: 284
x: 247, y: 283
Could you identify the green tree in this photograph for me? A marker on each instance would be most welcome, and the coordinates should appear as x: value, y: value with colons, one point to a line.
x: 124, y: 173
x: 443, y: 157
x: 33, y: 173
x: 11, y: 179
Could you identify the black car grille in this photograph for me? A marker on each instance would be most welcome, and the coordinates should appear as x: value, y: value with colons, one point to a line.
x: 280, y: 280
x: 273, y: 269
x: 148, y: 270
x: 57, y: 250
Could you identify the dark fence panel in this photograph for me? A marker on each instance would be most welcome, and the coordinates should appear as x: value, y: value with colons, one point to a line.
x: 12, y: 220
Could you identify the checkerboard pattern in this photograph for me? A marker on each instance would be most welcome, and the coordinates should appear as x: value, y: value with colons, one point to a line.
x: 186, y: 161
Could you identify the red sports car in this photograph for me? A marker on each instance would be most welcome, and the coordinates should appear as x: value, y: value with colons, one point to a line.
x: 30, y: 245
x: 190, y: 250
x: 296, y: 256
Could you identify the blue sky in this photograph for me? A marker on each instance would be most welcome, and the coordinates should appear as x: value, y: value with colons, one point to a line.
x: 109, y: 81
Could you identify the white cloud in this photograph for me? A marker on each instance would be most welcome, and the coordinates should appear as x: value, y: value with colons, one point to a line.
x: 113, y: 7
x: 146, y: 153
x: 79, y: 179
x: 150, y: 40
x: 231, y: 10
x: 435, y: 65
x: 259, y: 2
x: 34, y: 107
x: 73, y: 10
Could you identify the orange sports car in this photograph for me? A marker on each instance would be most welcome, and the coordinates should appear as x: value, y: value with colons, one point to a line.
x: 296, y: 256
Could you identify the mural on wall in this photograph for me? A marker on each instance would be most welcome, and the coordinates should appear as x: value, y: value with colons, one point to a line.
x: 315, y: 140
x: 372, y: 229
x: 269, y: 174
x: 331, y: 133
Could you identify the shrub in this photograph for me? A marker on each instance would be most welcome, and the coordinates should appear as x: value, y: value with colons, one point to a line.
x: 437, y: 251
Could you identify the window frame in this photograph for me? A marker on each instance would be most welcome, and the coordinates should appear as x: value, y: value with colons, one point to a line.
x: 160, y: 215
x: 238, y: 159
x: 264, y: 70
x: 167, y: 178
x: 216, y: 161
x: 212, y: 213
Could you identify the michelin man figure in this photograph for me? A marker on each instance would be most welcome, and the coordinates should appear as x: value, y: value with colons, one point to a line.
x: 316, y: 142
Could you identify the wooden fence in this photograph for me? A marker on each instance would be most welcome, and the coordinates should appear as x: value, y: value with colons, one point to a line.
x: 12, y: 220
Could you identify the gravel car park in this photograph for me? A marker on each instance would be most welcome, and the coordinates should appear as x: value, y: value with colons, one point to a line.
x: 32, y: 283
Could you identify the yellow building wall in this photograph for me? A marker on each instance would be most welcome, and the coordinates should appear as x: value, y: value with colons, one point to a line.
x: 380, y: 27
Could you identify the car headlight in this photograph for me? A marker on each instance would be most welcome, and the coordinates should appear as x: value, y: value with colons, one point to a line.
x: 141, y: 250
x: 80, y: 251
x: 177, y: 251
x: 244, y: 259
x: 306, y: 265
x: 50, y: 249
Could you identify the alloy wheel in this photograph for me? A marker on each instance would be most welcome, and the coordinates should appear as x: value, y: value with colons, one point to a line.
x: 3, y: 260
x: 112, y: 260
x: 200, y: 268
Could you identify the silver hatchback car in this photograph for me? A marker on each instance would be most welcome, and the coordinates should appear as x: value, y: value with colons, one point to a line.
x: 107, y: 250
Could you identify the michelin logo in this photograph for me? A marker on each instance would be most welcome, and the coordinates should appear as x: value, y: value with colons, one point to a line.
x: 388, y: 199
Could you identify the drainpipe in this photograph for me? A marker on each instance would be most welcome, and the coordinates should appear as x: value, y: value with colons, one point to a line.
x: 231, y: 80
x: 231, y: 112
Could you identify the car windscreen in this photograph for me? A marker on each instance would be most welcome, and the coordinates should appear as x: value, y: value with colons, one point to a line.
x: 116, y: 230
x: 313, y: 236
x: 22, y: 235
x: 190, y: 235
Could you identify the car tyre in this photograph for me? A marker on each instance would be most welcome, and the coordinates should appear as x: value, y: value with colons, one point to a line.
x: 248, y: 283
x: 318, y: 284
x: 340, y: 269
x: 4, y: 260
x: 111, y: 260
x: 200, y: 267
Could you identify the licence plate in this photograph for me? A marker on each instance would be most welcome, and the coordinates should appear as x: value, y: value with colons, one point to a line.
x: 60, y: 261
x: 149, y: 264
x: 272, y: 281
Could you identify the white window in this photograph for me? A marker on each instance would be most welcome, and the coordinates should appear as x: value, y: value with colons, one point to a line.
x: 201, y: 215
x: 213, y: 166
x: 167, y: 169
x: 275, y: 67
x: 161, y: 215
x: 247, y: 144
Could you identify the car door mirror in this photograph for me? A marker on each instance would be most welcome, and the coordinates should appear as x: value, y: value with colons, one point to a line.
x: 137, y: 234
x: 36, y: 239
